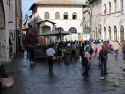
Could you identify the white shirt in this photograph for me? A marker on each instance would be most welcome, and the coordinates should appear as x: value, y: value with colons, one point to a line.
x: 68, y: 44
x: 110, y: 42
x: 98, y: 45
x: 50, y: 52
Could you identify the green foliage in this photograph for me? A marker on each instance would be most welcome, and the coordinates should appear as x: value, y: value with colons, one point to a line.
x: 88, y: 3
x: 3, y: 73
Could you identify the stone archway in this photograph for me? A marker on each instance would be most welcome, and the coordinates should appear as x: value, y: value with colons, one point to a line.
x: 121, y: 34
x: 115, y: 33
x: 2, y: 15
x: 104, y: 33
x: 109, y: 33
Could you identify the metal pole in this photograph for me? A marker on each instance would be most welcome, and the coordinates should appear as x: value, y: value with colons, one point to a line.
x: 60, y: 34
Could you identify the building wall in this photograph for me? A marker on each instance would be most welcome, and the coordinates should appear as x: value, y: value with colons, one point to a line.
x: 96, y: 19
x: 7, y: 31
x: 18, y: 24
x: 115, y: 18
x: 86, y: 24
x: 66, y: 24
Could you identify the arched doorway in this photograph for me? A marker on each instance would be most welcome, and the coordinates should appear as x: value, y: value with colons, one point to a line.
x: 73, y: 30
x: 121, y: 34
x: 99, y: 32
x: 93, y: 35
x: 104, y: 33
x: 46, y: 29
x: 109, y: 33
x: 2, y: 15
x: 115, y: 32
x: 45, y: 40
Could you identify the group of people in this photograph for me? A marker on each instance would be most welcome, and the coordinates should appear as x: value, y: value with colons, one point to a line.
x: 101, y: 50
x: 30, y: 52
x: 89, y: 49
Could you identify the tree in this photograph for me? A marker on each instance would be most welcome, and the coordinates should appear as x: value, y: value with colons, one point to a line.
x: 88, y: 3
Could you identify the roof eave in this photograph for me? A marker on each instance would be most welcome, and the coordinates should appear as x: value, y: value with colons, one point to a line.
x: 33, y: 5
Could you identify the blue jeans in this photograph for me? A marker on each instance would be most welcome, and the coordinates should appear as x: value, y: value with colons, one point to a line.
x: 103, y: 66
x: 116, y: 54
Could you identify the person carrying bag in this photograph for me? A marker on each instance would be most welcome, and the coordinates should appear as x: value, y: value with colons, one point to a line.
x: 50, y: 57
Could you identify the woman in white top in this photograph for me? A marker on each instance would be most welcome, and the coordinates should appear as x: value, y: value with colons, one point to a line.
x: 86, y: 58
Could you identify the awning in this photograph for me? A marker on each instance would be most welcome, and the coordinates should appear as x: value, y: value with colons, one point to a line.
x: 55, y: 32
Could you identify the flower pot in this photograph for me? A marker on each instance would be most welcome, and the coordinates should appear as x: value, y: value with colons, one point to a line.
x: 7, y: 82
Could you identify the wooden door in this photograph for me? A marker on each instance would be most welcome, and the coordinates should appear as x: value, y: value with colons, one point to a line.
x: 110, y: 35
x: 121, y: 36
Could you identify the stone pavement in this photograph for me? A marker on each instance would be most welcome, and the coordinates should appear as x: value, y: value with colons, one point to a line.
x: 67, y: 79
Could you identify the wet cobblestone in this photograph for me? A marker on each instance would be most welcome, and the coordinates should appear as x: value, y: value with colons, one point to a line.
x: 66, y: 79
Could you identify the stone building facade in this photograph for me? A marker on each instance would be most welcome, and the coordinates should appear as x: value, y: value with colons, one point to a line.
x: 112, y: 22
x: 86, y: 24
x: 67, y: 15
x: 96, y: 10
x: 7, y: 30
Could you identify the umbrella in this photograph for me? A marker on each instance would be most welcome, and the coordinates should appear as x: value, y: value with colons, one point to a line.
x: 55, y: 32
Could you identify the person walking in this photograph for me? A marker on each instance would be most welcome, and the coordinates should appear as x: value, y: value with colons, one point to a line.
x: 27, y: 50
x: 103, y: 55
x: 81, y: 53
x: 32, y: 54
x: 50, y: 53
x: 116, y: 47
x: 110, y: 42
x: 86, y: 59
x: 73, y: 55
x: 59, y: 52
x: 94, y: 49
x: 123, y: 51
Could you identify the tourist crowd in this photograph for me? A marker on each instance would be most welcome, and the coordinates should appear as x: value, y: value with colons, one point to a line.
x: 85, y: 49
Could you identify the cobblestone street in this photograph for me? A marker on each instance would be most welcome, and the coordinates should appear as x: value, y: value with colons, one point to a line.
x: 67, y: 79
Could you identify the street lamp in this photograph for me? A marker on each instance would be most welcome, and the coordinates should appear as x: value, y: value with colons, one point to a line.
x: 59, y: 30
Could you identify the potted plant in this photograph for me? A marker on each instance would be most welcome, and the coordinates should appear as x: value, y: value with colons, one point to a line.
x: 6, y: 80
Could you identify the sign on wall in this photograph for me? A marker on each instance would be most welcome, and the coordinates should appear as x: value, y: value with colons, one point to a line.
x: 2, y: 15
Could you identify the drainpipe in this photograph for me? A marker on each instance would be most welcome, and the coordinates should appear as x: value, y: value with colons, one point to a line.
x: 16, y: 26
x: 0, y: 87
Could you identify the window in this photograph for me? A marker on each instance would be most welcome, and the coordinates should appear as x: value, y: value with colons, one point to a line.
x: 57, y: 15
x: 115, y: 5
x: 46, y: 15
x: 74, y: 15
x: 65, y: 15
x: 109, y: 7
x: 121, y: 5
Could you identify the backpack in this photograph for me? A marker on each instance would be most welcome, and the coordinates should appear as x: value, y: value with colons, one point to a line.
x: 91, y: 51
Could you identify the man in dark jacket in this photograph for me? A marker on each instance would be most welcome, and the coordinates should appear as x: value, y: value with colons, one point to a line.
x: 32, y: 54
x: 103, y: 57
x: 81, y: 53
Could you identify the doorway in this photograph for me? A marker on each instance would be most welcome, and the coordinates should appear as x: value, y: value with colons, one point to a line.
x: 121, y: 34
